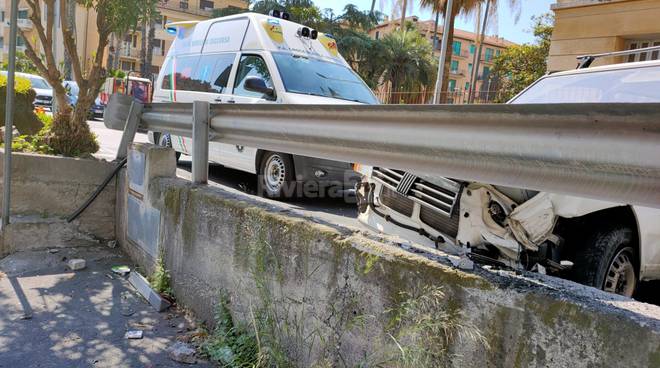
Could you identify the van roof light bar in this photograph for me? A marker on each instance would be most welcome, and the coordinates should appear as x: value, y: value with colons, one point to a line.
x: 585, y: 61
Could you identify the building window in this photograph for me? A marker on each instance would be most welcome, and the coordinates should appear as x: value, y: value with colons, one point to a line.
x: 377, y: 35
x: 470, y: 69
x: 498, y: 53
x: 22, y: 14
x: 183, y: 5
x: 2, y: 42
x: 20, y: 41
x: 489, y: 54
x: 452, y: 85
x: 467, y: 86
x: 127, y: 66
x: 457, y: 47
x: 486, y: 73
x: 454, y: 66
x: 633, y: 45
x: 206, y: 5
x: 473, y: 49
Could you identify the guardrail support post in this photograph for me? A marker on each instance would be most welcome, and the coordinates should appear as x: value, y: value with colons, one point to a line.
x: 130, y: 129
x: 200, y: 154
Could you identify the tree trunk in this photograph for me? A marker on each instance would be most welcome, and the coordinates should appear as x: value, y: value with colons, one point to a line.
x: 110, y: 62
x: 373, y: 6
x: 120, y: 43
x: 403, y: 14
x: 435, y: 31
x: 143, y: 50
x: 444, y: 91
x: 71, y: 22
x: 150, y: 48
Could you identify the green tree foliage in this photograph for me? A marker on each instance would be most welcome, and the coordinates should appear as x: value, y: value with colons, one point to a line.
x: 409, y: 61
x: 519, y: 66
x: 23, y: 64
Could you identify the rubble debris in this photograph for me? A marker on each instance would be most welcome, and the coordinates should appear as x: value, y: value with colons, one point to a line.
x: 112, y: 244
x: 142, y: 286
x: 53, y: 250
x: 134, y: 334
x: 76, y: 264
x: 182, y: 353
x: 121, y: 270
x: 540, y: 269
x: 463, y: 263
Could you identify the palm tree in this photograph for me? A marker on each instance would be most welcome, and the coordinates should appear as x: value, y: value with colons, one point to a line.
x: 465, y: 7
x: 409, y: 62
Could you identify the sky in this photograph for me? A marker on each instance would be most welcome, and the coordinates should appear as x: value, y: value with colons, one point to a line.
x: 507, y: 27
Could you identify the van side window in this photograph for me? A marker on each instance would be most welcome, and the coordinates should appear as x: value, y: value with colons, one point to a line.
x: 213, y: 72
x: 184, y: 72
x: 167, y: 75
x: 251, y: 66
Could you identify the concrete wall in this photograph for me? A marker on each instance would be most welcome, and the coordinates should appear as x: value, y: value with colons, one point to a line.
x: 597, y: 26
x: 333, y: 297
x: 47, y: 189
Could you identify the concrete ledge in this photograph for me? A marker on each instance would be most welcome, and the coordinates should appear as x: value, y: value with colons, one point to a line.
x: 341, y: 299
x: 47, y: 189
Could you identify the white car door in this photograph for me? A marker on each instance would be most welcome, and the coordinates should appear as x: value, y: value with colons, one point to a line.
x: 196, y: 78
x: 249, y: 65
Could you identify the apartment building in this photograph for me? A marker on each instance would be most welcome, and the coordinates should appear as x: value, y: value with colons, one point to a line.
x: 598, y: 26
x: 125, y: 47
x: 464, y: 49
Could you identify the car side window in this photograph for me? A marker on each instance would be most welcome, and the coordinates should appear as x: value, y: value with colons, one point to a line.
x: 251, y: 66
x: 213, y: 72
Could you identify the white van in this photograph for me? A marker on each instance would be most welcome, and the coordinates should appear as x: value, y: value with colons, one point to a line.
x: 255, y: 58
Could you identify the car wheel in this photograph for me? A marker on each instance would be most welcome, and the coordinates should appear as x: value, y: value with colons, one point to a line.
x: 608, y: 261
x: 166, y: 141
x: 276, y: 176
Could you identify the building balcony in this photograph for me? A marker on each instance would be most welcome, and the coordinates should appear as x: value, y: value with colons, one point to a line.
x: 129, y: 52
x: 24, y: 23
x: 457, y: 72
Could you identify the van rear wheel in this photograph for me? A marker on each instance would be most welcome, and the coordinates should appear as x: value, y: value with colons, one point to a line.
x: 276, y: 176
x: 608, y: 261
x: 166, y: 141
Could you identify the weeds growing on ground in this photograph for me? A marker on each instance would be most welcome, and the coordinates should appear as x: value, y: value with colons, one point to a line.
x: 232, y: 344
x: 160, y: 279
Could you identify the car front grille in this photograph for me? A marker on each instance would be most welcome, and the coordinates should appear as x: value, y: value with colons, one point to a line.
x: 438, y: 200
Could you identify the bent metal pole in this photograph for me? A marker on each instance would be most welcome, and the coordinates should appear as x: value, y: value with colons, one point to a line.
x: 9, y: 113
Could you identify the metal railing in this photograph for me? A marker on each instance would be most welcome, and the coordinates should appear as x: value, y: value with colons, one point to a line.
x: 601, y: 151
x: 426, y: 97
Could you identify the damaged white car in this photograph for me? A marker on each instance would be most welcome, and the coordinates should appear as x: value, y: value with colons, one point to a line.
x: 606, y: 245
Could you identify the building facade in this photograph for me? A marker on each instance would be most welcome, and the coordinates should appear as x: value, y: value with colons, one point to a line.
x: 464, y: 49
x: 126, y: 48
x: 585, y: 27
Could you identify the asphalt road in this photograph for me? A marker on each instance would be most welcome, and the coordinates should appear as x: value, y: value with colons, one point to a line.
x: 330, y: 211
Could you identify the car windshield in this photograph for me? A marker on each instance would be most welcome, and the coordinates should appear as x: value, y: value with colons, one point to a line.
x: 72, y: 87
x: 39, y: 83
x: 321, y: 78
x: 634, y: 85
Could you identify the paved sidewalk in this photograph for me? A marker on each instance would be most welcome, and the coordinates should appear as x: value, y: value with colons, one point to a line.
x: 53, y: 317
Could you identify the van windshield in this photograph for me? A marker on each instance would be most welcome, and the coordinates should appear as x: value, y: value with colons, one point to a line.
x: 321, y: 78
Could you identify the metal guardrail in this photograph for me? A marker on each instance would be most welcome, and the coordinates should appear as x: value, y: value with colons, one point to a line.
x: 603, y: 151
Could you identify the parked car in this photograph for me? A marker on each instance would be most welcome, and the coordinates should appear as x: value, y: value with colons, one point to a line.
x: 607, y: 245
x: 95, y: 111
x: 255, y: 58
x: 43, y: 90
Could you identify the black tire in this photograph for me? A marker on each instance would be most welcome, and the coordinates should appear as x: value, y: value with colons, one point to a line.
x: 277, y: 176
x: 165, y: 140
x: 608, y: 261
